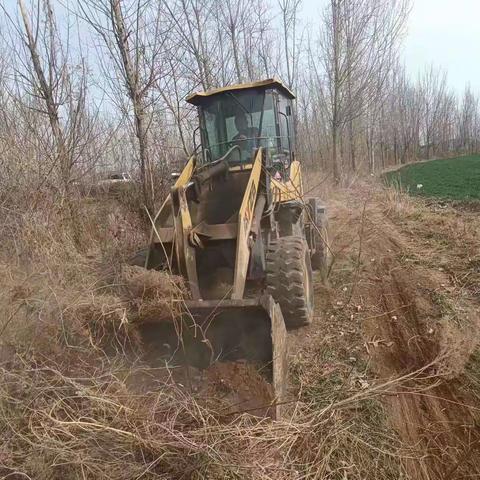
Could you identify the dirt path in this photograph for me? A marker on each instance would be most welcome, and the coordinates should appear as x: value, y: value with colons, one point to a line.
x: 404, y: 301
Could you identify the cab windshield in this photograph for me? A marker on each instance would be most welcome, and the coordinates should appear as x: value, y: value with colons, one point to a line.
x: 243, y: 119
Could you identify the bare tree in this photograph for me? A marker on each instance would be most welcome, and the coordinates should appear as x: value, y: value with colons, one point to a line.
x: 435, y: 98
x: 231, y: 12
x: 133, y: 35
x: 289, y: 13
x: 190, y: 25
x: 52, y: 85
x: 357, y: 109
x: 405, y: 116
x: 357, y: 49
x: 468, y: 122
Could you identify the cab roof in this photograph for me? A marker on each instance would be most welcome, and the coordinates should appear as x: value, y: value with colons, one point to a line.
x: 197, y: 98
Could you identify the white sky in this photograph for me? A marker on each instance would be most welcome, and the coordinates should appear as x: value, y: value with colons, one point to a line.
x: 445, y: 33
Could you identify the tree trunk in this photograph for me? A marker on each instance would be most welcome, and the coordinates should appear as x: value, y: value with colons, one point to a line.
x: 47, y: 94
x: 134, y: 90
x: 336, y: 169
x: 353, y: 160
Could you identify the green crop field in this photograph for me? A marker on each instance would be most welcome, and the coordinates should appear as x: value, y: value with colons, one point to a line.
x: 453, y: 178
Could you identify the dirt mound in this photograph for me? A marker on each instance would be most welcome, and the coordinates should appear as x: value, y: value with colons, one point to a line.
x: 410, y: 334
x: 242, y: 386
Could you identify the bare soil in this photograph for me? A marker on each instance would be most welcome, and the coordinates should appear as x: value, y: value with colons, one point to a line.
x: 403, y: 303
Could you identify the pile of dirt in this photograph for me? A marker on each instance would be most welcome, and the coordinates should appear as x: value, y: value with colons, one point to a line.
x: 154, y: 296
x: 241, y: 386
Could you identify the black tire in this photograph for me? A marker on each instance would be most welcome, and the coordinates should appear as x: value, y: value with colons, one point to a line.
x: 321, y: 256
x: 289, y: 279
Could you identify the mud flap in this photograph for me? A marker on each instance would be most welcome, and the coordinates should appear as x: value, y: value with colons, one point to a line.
x: 251, y: 330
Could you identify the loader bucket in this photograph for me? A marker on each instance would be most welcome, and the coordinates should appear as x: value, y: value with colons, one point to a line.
x: 251, y: 330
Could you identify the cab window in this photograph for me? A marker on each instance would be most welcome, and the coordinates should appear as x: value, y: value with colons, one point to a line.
x: 244, y: 119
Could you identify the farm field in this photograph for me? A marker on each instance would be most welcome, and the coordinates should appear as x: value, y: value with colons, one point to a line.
x: 453, y: 178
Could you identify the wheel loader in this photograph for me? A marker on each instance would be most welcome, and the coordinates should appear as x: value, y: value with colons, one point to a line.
x: 237, y: 228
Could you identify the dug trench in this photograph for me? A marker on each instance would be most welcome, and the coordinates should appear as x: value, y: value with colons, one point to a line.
x: 402, y: 311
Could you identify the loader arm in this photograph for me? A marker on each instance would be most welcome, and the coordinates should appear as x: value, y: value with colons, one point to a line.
x: 186, y: 256
x: 291, y: 189
x: 245, y: 219
x: 166, y: 207
x: 181, y: 181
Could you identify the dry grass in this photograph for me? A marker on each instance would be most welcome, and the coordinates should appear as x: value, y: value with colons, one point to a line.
x: 77, y: 399
x: 156, y: 296
x: 88, y: 425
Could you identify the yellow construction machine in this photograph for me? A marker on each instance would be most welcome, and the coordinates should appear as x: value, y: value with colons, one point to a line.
x: 238, y: 229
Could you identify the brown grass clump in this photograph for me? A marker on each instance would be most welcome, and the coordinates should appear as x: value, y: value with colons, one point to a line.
x: 60, y: 424
x: 110, y: 318
x: 105, y: 320
x: 154, y: 296
x: 68, y: 427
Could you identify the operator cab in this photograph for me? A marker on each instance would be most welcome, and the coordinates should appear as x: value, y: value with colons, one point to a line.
x: 236, y: 120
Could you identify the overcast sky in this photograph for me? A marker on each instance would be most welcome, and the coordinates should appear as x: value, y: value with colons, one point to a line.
x: 443, y: 32
x: 447, y: 33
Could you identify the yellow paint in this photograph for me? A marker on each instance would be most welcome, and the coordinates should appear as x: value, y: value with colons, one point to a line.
x: 182, y: 180
x: 195, y: 98
x: 238, y: 168
x: 186, y: 174
x: 245, y: 217
x: 185, y: 251
x: 292, y: 189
